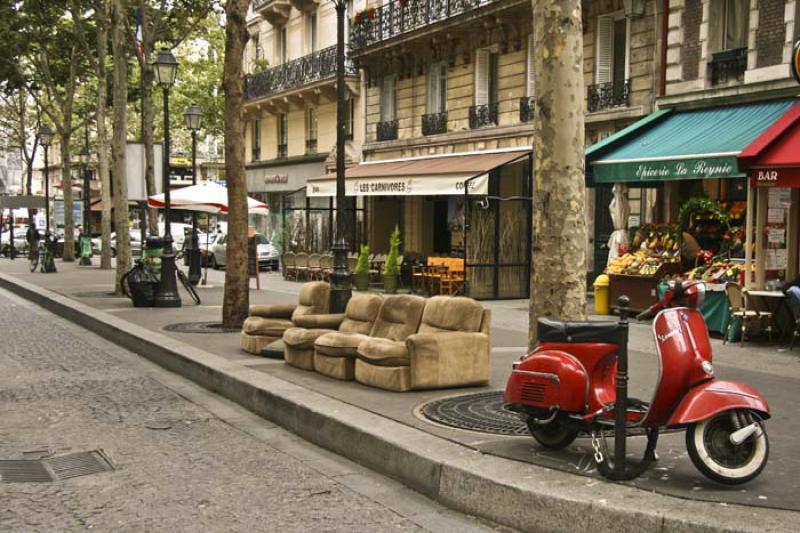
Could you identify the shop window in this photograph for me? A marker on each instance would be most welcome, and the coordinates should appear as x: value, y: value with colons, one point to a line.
x: 612, y: 63
x: 283, y: 135
x: 311, y: 130
x: 484, y: 112
x: 255, y: 139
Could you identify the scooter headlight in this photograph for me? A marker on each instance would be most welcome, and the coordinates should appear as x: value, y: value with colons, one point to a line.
x: 708, y: 368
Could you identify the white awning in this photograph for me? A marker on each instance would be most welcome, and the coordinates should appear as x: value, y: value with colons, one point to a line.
x: 402, y: 186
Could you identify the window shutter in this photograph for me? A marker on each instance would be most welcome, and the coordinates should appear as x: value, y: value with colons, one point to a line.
x: 605, y: 49
x: 482, y: 77
x: 433, y: 88
x: 529, y: 88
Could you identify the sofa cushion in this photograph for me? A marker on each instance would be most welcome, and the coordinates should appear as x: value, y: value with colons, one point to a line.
x: 384, y: 352
x: 272, y: 311
x: 448, y: 313
x: 399, y: 317
x: 336, y: 344
x: 313, y: 299
x: 361, y: 312
x: 274, y: 327
x: 303, y: 337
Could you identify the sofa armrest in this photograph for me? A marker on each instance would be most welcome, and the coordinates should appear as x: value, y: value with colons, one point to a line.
x: 272, y: 311
x: 332, y: 321
x: 447, y: 359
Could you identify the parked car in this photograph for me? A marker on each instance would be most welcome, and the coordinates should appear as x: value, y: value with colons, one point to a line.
x: 135, y: 242
x: 268, y: 256
x: 20, y: 240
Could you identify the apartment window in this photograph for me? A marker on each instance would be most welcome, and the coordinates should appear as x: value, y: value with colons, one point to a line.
x: 734, y: 20
x: 255, y: 139
x: 283, y: 135
x: 311, y: 31
x: 283, y: 45
x: 437, y: 88
x: 527, y: 103
x: 349, y: 118
x: 349, y: 14
x: 311, y: 130
x: 257, y: 46
x: 529, y: 68
x: 612, y: 63
x: 484, y: 112
x: 388, y: 98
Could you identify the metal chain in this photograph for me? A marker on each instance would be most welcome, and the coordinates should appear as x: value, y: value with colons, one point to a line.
x: 598, y: 454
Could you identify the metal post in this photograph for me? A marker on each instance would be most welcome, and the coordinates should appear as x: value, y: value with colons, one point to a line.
x: 620, y: 404
x: 12, y: 252
x: 46, y: 194
x: 87, y: 234
x: 194, y: 251
x: 167, y: 295
x: 340, y: 277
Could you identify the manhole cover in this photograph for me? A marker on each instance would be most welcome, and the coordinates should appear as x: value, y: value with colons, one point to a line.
x: 96, y: 294
x: 199, y: 327
x: 482, y: 411
x: 54, y: 468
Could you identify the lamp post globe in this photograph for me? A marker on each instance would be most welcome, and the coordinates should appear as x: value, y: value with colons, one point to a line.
x: 193, y: 119
x: 165, y: 68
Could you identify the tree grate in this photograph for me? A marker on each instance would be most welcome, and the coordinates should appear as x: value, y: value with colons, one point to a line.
x: 54, y: 468
x: 199, y: 327
x: 482, y: 411
x: 96, y: 294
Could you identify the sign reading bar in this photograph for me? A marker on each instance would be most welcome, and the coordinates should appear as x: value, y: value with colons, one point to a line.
x: 775, y: 177
x: 399, y: 186
x: 674, y: 169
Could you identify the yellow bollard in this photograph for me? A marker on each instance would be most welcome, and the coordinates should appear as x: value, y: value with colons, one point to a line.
x: 601, y: 295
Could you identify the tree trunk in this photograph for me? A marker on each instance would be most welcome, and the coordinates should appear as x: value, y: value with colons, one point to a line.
x: 120, y: 80
x: 148, y: 117
x: 66, y: 188
x: 102, y: 136
x: 236, y: 301
x: 558, y: 283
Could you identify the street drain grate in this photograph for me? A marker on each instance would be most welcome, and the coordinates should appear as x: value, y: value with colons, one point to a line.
x: 199, y: 327
x: 97, y: 294
x: 482, y: 411
x: 55, y: 468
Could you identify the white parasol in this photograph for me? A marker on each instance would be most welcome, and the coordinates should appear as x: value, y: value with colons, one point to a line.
x: 206, y: 196
x: 620, y: 209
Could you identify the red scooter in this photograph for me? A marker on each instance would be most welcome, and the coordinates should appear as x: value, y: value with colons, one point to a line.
x: 578, y: 374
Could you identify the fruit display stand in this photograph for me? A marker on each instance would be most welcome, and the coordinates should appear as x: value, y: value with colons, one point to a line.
x: 641, y: 290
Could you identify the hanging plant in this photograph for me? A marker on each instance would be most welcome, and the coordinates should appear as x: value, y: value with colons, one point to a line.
x: 701, y: 204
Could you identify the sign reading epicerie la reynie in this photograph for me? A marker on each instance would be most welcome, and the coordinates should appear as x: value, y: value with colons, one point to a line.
x: 671, y: 169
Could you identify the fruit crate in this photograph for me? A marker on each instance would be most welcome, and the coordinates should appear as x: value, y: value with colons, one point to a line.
x: 641, y: 290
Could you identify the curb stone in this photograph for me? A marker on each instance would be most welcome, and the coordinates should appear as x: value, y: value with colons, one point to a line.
x: 519, y: 495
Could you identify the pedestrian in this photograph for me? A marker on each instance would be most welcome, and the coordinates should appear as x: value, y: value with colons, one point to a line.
x: 792, y: 291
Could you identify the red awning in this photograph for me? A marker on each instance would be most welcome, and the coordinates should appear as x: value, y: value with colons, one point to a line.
x: 773, y: 159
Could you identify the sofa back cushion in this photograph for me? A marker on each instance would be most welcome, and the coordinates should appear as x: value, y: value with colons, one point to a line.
x: 399, y: 317
x: 451, y: 313
x: 314, y: 299
x: 361, y: 312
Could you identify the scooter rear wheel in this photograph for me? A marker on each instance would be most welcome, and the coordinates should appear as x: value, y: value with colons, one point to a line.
x: 712, y: 452
x: 556, y: 435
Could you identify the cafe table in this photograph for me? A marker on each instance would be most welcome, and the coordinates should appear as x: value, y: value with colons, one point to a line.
x: 775, y: 303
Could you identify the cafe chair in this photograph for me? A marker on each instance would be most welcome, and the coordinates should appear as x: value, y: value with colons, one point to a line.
x: 739, y: 310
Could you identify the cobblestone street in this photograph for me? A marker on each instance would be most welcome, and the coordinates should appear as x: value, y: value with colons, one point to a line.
x: 185, y: 459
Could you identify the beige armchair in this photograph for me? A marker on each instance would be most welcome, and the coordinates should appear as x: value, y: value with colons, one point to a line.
x: 451, y: 348
x: 356, y: 321
x: 398, y: 317
x: 267, y: 323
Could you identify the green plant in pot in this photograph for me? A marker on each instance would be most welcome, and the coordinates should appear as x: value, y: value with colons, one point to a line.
x: 391, y: 270
x: 361, y: 274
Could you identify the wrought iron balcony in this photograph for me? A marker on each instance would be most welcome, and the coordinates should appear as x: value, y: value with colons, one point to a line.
x: 434, y: 123
x: 387, y: 131
x: 608, y: 95
x: 728, y: 66
x: 527, y: 105
x: 283, y: 150
x: 318, y: 66
x: 377, y: 24
x: 311, y: 146
x: 481, y: 116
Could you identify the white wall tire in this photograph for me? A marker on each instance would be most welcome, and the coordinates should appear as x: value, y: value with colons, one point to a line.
x: 718, y: 459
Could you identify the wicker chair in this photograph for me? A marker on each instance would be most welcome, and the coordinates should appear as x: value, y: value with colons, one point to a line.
x: 301, y: 266
x: 326, y: 266
x: 314, y: 266
x: 740, y: 310
x: 289, y: 266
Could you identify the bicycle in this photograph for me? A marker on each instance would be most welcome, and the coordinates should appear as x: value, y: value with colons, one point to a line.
x: 188, y: 286
x: 41, y: 256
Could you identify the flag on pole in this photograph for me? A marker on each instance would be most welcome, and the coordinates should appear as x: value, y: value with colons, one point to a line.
x: 139, y: 38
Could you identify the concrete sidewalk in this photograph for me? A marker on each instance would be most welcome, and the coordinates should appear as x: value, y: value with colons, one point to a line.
x: 487, y: 475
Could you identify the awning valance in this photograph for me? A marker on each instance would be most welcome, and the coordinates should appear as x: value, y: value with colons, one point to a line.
x: 676, y: 145
x: 773, y: 159
x: 444, y: 174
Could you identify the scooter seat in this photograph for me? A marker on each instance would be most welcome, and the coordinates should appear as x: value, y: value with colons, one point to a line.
x: 550, y: 330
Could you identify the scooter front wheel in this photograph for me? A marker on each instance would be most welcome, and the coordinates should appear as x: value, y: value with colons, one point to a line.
x: 556, y: 435
x: 718, y: 458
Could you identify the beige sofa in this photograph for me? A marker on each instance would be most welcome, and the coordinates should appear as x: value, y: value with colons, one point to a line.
x: 450, y: 348
x: 357, y: 319
x: 399, y: 316
x: 267, y: 323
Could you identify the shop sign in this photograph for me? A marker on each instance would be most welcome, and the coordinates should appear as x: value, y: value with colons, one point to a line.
x: 276, y: 179
x: 676, y: 169
x: 796, y: 61
x: 403, y: 186
x: 775, y: 177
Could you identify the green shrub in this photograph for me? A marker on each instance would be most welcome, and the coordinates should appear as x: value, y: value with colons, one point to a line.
x: 391, y: 268
x: 362, y: 266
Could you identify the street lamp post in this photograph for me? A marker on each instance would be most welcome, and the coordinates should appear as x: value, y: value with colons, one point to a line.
x: 193, y: 118
x: 86, y: 234
x: 45, y: 138
x: 340, y: 277
x: 165, y: 68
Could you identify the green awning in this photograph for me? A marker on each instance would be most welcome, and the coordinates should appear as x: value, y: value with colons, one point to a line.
x: 676, y: 145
